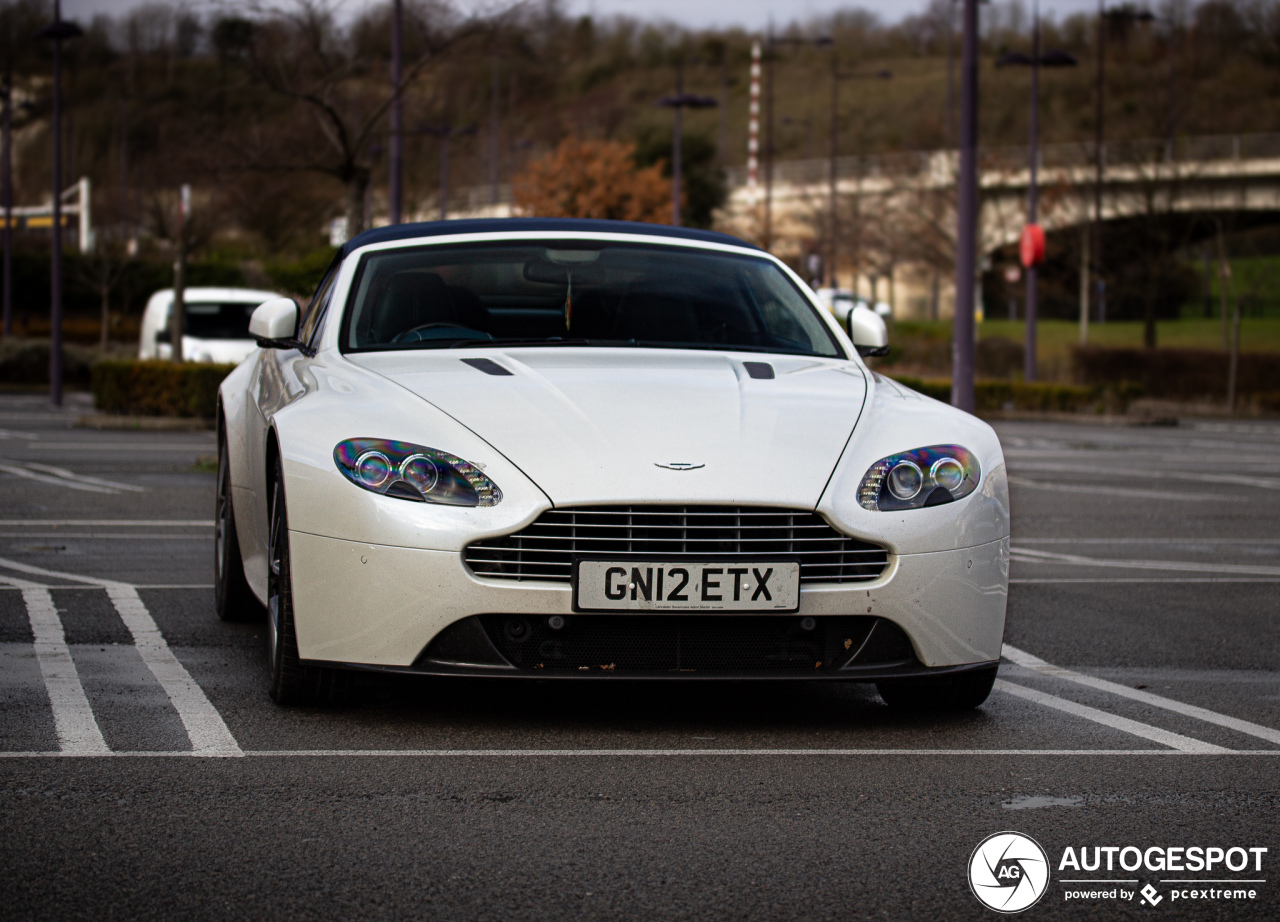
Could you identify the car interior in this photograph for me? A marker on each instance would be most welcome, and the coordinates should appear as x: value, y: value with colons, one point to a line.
x: 442, y: 297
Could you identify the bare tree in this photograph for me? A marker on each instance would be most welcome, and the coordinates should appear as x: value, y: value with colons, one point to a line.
x: 338, y: 98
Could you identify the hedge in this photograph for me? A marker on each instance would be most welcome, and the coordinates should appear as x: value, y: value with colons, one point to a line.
x: 140, y: 388
x: 990, y: 396
x: 1176, y: 374
x: 26, y: 361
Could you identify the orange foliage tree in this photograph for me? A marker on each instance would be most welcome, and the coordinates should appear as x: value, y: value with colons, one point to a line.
x: 593, y: 179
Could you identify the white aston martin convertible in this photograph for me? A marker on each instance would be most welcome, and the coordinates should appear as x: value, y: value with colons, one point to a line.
x: 552, y: 448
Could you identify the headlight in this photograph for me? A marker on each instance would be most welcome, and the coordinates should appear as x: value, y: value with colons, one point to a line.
x: 412, y: 472
x: 923, y: 477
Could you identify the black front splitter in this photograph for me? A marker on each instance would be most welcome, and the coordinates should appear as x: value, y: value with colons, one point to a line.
x: 904, y: 670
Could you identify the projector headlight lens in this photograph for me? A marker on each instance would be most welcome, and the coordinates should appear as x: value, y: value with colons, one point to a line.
x: 947, y: 472
x: 414, y: 472
x: 900, y: 481
x: 372, y: 469
x: 905, y: 480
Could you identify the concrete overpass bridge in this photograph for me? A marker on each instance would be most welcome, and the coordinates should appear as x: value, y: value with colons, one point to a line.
x: 896, y: 215
x: 896, y: 212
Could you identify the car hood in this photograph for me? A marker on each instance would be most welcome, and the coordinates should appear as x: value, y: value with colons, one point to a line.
x: 647, y: 425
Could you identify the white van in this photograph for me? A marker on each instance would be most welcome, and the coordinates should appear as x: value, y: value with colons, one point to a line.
x: 216, y: 327
x: 841, y: 301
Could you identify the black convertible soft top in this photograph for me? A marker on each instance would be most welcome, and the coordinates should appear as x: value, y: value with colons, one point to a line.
x: 568, y: 226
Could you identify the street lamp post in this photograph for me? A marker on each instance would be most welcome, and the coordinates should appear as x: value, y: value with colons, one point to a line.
x: 57, y: 32
x: 6, y: 181
x: 1032, y: 235
x: 677, y: 102
x: 395, y: 161
x: 1099, y: 157
x: 966, y: 217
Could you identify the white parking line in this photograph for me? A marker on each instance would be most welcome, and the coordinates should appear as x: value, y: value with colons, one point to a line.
x: 58, y: 481
x: 105, y: 536
x: 645, y: 753
x: 109, y: 523
x: 78, y: 732
x: 1028, y: 555
x: 1252, y: 480
x: 1156, y: 579
x: 1122, y: 491
x: 65, y: 474
x: 1029, y: 661
x: 97, y: 588
x: 1231, y: 542
x: 1115, y: 721
x: 208, y: 733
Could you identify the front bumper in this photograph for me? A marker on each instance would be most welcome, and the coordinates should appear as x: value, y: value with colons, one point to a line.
x: 380, y: 607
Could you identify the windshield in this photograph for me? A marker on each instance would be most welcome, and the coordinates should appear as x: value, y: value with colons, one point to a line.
x: 578, y: 293
x: 206, y: 320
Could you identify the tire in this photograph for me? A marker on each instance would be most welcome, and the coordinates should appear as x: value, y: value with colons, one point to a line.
x: 232, y: 598
x: 292, y: 682
x: 962, y: 692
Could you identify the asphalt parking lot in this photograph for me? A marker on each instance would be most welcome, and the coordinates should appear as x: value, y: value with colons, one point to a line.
x: 1138, y: 705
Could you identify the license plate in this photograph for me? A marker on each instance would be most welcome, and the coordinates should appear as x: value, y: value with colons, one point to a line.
x: 630, y: 585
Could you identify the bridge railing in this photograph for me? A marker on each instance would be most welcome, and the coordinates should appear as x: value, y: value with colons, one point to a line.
x: 1203, y: 148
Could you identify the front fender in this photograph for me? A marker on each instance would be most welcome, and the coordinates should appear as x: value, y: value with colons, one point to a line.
x: 342, y: 401
x: 234, y: 424
x: 898, y: 419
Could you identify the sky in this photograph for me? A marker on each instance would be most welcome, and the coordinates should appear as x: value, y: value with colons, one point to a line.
x: 748, y: 14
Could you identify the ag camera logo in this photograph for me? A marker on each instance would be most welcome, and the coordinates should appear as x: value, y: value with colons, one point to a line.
x: 1008, y: 872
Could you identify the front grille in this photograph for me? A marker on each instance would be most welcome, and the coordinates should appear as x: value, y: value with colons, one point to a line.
x: 742, y: 644
x: 545, y: 549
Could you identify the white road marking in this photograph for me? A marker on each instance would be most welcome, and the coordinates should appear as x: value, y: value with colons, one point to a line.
x: 123, y: 446
x: 1155, y: 579
x: 1229, y: 542
x: 1115, y: 721
x: 82, y: 478
x: 1122, y: 491
x: 104, y: 536
x: 57, y: 481
x: 1266, y: 483
x: 1030, y: 555
x: 1030, y: 661
x: 648, y: 753
x: 208, y: 733
x: 135, y: 586
x: 110, y: 523
x: 78, y: 732
x: 14, y: 434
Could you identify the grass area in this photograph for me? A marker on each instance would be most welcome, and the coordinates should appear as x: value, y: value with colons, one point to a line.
x: 1257, y: 334
x: 920, y: 345
x: 1255, y: 283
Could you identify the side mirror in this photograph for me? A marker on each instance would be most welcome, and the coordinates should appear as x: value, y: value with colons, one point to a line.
x: 274, y: 324
x: 867, y: 330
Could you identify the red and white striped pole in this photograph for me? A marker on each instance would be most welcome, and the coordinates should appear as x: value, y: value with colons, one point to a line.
x: 753, y: 129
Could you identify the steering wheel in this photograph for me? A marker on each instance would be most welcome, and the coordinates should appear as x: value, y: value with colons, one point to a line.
x: 400, y: 337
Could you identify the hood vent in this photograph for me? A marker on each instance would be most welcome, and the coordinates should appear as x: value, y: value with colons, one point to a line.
x: 490, y: 367
x: 762, y: 370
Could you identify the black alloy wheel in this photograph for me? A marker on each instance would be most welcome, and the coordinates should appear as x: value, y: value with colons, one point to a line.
x: 292, y: 681
x: 232, y: 598
x: 961, y: 692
